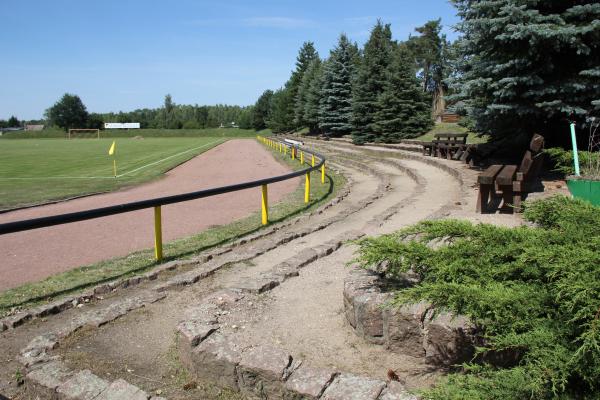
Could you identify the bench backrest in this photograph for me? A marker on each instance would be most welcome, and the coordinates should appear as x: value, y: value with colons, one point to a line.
x: 459, y: 138
x: 532, y: 160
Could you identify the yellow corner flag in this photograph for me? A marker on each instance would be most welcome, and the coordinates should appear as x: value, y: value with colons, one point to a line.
x: 111, y: 152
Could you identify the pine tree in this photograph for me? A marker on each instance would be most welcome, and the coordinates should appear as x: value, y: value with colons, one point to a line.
x: 335, y: 112
x: 431, y: 51
x: 307, y: 101
x: 530, y: 65
x: 279, y: 120
x: 370, y: 80
x: 306, y: 55
x: 403, y: 109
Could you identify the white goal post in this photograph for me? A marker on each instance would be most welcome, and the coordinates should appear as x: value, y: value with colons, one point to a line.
x: 84, y: 134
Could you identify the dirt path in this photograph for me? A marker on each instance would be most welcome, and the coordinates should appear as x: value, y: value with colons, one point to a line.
x: 303, y: 315
x: 33, y: 255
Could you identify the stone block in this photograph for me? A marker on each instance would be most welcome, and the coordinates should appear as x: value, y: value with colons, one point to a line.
x: 308, y: 383
x: 352, y: 387
x: 193, y: 332
x: 18, y: 319
x: 368, y: 316
x: 45, y: 379
x: 262, y: 284
x: 303, y: 258
x: 403, y: 329
x: 448, y: 339
x: 82, y: 386
x: 285, y: 271
x: 122, y: 390
x: 215, y: 361
x: 261, y: 372
x: 396, y: 391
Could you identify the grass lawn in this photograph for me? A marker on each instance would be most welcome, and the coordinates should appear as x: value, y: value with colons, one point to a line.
x: 34, y: 171
x: 446, y: 127
x: 141, y: 261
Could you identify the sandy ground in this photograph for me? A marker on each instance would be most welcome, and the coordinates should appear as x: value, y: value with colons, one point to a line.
x: 34, y: 255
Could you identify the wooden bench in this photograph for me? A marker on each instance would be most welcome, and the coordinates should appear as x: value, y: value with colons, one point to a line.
x: 512, y: 180
x: 450, y: 145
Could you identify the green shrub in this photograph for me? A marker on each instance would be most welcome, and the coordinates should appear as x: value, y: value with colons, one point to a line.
x: 589, y: 162
x: 535, y: 289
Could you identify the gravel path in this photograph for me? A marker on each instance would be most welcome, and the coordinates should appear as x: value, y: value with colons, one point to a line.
x: 34, y: 255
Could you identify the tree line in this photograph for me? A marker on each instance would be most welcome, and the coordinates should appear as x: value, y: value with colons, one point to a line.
x: 516, y: 69
x: 70, y: 112
x: 384, y: 92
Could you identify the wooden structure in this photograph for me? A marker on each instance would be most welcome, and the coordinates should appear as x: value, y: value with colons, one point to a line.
x: 450, y: 118
x: 512, y: 180
x: 449, y: 145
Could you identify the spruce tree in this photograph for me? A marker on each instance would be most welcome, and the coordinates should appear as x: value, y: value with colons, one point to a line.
x: 279, y: 120
x: 403, y: 109
x: 307, y: 102
x: 530, y: 66
x: 306, y: 55
x: 335, y: 113
x: 370, y: 80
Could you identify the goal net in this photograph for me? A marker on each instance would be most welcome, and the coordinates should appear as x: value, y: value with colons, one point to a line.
x: 84, y: 134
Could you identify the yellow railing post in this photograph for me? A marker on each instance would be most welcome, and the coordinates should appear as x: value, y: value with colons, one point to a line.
x: 293, y: 153
x: 313, y: 161
x: 323, y: 172
x: 265, y: 205
x: 307, y: 188
x: 157, y: 234
x: 301, y: 157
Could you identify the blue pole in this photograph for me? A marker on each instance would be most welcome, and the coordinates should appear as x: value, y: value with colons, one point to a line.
x: 575, y: 154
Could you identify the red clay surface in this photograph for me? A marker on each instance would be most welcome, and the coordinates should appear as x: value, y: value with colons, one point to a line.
x: 34, y: 255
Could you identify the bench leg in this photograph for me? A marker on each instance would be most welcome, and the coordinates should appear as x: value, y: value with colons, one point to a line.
x: 517, y: 201
x: 507, y: 196
x: 483, y: 198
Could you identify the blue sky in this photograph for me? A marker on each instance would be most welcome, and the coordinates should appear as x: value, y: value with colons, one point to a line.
x: 127, y: 54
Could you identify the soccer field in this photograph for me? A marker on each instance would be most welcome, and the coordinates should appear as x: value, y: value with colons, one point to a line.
x: 34, y: 171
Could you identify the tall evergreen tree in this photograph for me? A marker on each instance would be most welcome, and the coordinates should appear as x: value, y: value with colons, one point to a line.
x: 431, y: 51
x: 312, y: 88
x: 311, y: 74
x: 403, y: 109
x: 335, y: 113
x: 306, y: 55
x: 262, y: 110
x: 530, y: 65
x: 279, y: 119
x: 370, y: 81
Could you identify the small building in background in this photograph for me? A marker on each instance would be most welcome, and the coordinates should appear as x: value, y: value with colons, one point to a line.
x: 34, y: 127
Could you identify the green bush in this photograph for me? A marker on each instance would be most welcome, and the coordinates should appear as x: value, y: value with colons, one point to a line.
x: 531, y: 289
x: 588, y: 161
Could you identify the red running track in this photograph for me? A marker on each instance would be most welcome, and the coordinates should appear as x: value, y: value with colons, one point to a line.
x: 34, y: 255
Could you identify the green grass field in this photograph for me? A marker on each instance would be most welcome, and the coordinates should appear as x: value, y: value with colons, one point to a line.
x: 34, y: 171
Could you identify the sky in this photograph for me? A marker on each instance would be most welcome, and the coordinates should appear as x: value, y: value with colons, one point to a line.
x: 120, y: 55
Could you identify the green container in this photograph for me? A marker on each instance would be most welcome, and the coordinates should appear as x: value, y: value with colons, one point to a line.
x: 585, y: 190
